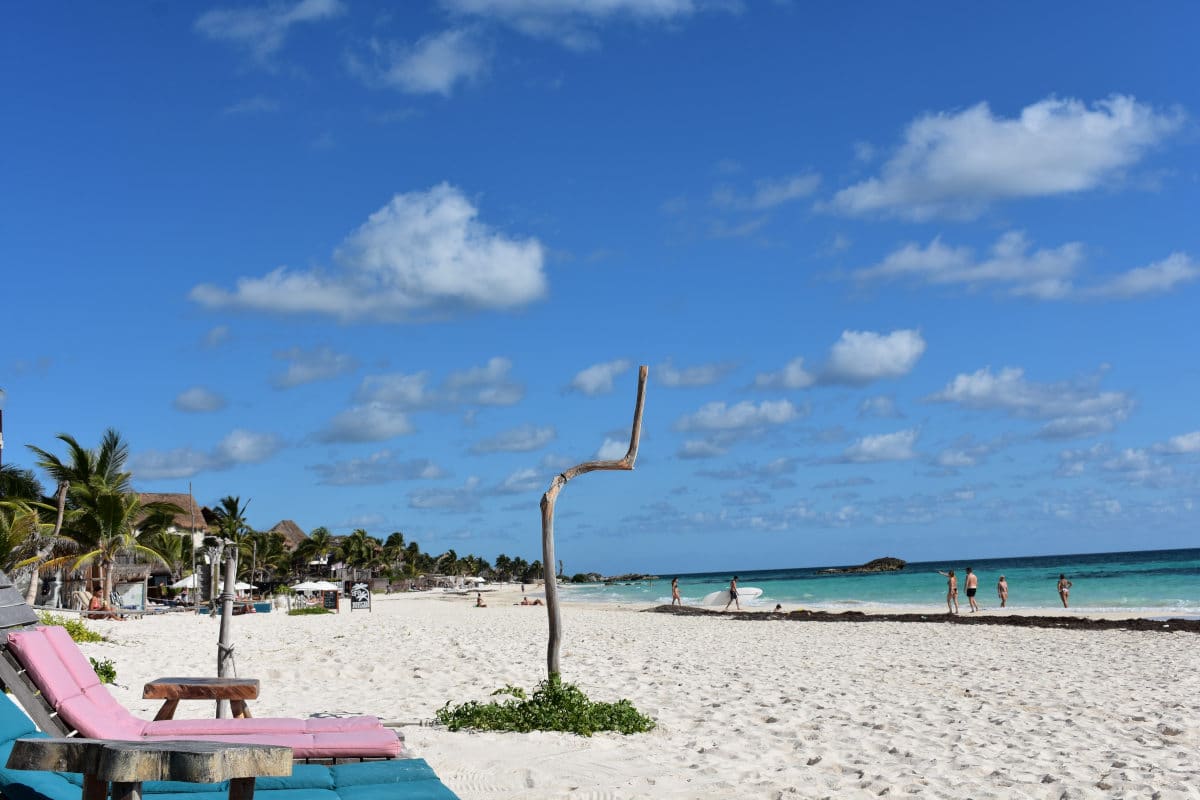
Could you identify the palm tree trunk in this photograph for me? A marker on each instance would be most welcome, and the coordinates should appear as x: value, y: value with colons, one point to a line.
x: 35, y: 578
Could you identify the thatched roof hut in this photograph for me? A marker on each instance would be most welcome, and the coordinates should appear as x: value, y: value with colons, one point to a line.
x: 292, y: 535
x: 189, y: 519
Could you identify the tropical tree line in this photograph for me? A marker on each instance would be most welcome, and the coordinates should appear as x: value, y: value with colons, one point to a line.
x: 94, y: 520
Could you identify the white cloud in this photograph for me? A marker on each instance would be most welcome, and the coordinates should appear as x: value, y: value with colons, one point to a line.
x: 381, y: 467
x: 1070, y: 409
x: 435, y: 64
x: 216, y: 337
x: 402, y: 391
x: 571, y: 22
x: 238, y: 447
x: 522, y: 481
x: 262, y: 30
x: 702, y: 448
x: 744, y: 415
x: 792, y: 376
x: 374, y: 422
x: 882, y: 406
x: 199, y: 400
x: 522, y: 439
x: 768, y: 193
x: 700, y: 375
x: 1159, y: 277
x: 860, y: 357
x: 612, y: 450
x: 896, y: 446
x: 857, y: 358
x: 1042, y: 273
x: 489, y: 385
x: 450, y: 500
x: 598, y: 378
x: 252, y: 105
x: 423, y: 253
x: 955, y: 164
x: 307, y: 366
x: 1181, y: 444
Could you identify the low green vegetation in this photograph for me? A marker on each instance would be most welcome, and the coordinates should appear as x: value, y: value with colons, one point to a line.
x: 105, y: 670
x: 554, y: 706
x: 79, y: 632
x: 300, y: 612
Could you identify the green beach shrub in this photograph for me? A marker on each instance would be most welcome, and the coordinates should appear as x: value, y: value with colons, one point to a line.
x: 300, y: 612
x: 554, y: 706
x: 79, y: 632
x: 105, y: 670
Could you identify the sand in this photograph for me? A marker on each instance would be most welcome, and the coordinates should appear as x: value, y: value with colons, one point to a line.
x: 764, y: 710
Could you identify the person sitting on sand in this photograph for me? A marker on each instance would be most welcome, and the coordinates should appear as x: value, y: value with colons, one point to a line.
x: 1064, y: 589
x: 675, y: 592
x: 951, y: 591
x: 1002, y: 590
x: 733, y: 598
x: 778, y: 608
x: 972, y: 587
x: 479, y: 600
x: 524, y: 602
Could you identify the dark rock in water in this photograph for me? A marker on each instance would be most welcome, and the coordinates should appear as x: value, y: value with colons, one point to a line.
x: 632, y: 576
x: 885, y: 564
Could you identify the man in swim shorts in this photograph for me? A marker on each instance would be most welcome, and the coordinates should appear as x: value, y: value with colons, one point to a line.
x: 972, y: 587
x: 733, y: 598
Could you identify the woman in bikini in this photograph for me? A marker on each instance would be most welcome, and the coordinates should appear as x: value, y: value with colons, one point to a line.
x: 951, y: 591
x: 1064, y: 589
x: 675, y: 598
x: 1002, y: 590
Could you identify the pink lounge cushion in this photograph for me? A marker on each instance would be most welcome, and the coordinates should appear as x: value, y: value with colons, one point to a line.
x: 39, y: 658
x: 94, y: 722
x: 71, y: 656
x: 381, y: 743
x: 274, y: 725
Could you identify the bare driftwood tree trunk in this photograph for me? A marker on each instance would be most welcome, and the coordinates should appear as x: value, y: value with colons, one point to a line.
x: 548, y: 500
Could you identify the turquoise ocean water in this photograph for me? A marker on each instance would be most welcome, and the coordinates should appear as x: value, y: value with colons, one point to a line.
x: 1150, y: 583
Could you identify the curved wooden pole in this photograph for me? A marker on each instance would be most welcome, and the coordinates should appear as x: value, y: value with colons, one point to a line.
x: 548, y: 501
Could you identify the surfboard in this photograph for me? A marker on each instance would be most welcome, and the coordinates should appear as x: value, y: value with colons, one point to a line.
x: 746, y: 594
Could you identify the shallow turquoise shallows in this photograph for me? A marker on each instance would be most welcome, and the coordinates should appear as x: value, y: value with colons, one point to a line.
x: 1149, y: 583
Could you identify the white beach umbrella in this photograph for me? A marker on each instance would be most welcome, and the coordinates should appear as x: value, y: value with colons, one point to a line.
x: 306, y: 586
x: 185, y: 583
x: 325, y: 586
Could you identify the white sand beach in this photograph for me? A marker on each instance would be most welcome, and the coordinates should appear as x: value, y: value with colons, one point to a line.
x: 776, y: 709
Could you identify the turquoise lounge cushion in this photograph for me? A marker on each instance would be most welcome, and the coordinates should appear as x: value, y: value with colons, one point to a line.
x: 400, y: 770
x: 431, y: 789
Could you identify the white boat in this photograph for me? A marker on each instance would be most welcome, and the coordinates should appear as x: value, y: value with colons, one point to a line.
x: 746, y: 594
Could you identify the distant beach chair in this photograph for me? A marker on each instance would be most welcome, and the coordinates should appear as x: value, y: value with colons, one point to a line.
x: 57, y: 686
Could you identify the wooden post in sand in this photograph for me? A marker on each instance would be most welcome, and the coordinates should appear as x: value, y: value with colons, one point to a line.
x: 548, y: 500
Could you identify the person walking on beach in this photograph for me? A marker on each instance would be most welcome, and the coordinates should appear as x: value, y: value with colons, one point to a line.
x: 1064, y: 589
x: 972, y: 588
x: 951, y: 591
x: 675, y: 598
x: 1002, y: 591
x: 733, y: 598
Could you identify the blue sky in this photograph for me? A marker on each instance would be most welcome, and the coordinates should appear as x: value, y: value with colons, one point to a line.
x: 910, y: 280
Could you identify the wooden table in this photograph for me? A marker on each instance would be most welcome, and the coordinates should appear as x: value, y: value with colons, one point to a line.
x: 171, y: 690
x: 126, y: 764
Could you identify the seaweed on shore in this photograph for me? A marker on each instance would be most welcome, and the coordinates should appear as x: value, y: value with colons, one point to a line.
x: 1013, y: 620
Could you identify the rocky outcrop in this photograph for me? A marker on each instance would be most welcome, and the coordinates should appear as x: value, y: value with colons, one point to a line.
x: 885, y: 564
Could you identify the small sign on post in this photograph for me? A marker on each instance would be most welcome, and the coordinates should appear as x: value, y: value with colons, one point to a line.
x: 360, y: 597
x: 329, y: 599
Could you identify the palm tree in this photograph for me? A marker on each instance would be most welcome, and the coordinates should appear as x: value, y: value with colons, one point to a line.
x: 274, y: 559
x: 231, y: 526
x: 105, y: 526
x: 360, y: 549
x: 319, y: 546
x: 104, y: 465
x: 21, y: 529
x: 19, y: 484
x: 173, y: 549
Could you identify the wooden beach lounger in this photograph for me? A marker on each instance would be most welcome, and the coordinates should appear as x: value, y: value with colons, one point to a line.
x: 56, y: 684
x: 398, y: 779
